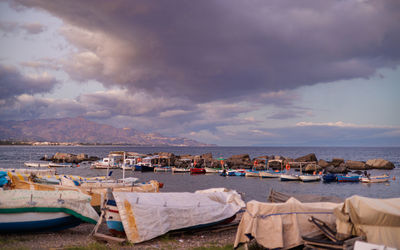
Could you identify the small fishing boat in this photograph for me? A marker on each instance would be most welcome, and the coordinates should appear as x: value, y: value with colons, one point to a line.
x: 197, y: 171
x: 213, y: 170
x: 271, y: 173
x: 180, y: 170
x: 169, y: 211
x: 162, y: 169
x: 289, y: 177
x: 32, y: 210
x: 329, y: 177
x: 60, y: 164
x: 348, y: 178
x: 309, y: 178
x: 252, y: 173
x: 37, y: 164
x: 375, y: 179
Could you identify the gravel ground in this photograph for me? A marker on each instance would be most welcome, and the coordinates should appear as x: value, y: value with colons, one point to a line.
x: 77, y: 238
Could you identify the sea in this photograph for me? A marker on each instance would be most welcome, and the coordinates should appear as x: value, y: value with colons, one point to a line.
x: 251, y: 188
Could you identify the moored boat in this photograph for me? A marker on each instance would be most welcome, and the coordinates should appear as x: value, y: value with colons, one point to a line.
x: 348, y: 178
x: 289, y: 177
x: 213, y: 170
x: 60, y: 165
x: 271, y: 174
x: 375, y: 179
x: 180, y: 170
x: 197, y: 171
x: 37, y: 164
x: 309, y: 177
x: 252, y: 173
x: 329, y: 177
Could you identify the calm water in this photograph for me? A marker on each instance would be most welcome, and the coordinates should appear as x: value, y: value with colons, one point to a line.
x: 252, y: 188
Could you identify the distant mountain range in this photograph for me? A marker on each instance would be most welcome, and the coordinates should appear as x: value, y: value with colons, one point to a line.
x: 81, y: 130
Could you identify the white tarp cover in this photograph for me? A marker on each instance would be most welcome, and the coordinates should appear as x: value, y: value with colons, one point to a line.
x: 281, y: 225
x: 71, y: 202
x: 376, y: 219
x: 148, y: 215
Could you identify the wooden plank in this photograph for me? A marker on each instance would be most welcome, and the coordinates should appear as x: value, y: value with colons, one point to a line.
x: 108, y: 238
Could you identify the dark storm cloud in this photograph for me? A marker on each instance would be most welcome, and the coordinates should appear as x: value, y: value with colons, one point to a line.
x: 13, y: 83
x: 213, y: 50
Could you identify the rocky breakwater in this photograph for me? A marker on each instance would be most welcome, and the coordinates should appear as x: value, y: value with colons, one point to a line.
x: 69, y: 158
x: 338, y: 165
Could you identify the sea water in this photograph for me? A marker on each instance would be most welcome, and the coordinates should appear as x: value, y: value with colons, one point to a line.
x: 251, y: 188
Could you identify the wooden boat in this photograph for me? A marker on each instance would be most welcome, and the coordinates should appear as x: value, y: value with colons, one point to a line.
x: 329, y: 177
x: 375, y: 179
x: 348, y: 178
x: 44, y: 210
x: 289, y: 177
x: 197, y: 171
x: 195, y: 210
x: 309, y: 178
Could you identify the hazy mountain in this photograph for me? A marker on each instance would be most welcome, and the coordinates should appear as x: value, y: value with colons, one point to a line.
x: 81, y: 130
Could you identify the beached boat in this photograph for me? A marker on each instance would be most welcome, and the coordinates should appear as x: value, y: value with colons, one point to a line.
x: 114, y: 160
x: 169, y: 211
x: 375, y: 179
x: 348, y: 178
x: 31, y: 210
x: 283, y: 223
x: 197, y: 170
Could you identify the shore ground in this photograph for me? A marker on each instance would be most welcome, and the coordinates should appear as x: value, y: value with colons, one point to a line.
x: 78, y: 238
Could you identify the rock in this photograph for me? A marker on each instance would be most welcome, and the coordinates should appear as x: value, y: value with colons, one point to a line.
x: 310, y: 168
x: 337, y: 161
x: 207, y: 156
x: 337, y: 170
x: 380, y: 164
x: 65, y: 157
x: 323, y: 163
x: 239, y: 161
x: 356, y: 165
x: 82, y: 157
x: 307, y: 158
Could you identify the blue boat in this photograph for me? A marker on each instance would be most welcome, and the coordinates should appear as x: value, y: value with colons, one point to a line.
x: 348, y: 178
x: 329, y: 177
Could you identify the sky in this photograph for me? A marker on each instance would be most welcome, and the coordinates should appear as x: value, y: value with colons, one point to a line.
x: 229, y: 72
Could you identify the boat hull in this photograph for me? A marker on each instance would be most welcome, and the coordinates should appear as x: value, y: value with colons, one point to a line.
x: 36, y: 221
x: 375, y: 179
x: 309, y: 178
x: 289, y: 177
x: 344, y: 178
x: 197, y: 171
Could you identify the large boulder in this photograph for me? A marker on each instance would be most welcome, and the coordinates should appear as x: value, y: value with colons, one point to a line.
x: 380, y: 164
x: 337, y: 170
x: 323, y: 163
x: 82, y: 157
x: 337, y: 161
x: 207, y: 156
x: 65, y: 157
x: 307, y: 158
x: 356, y: 165
x: 310, y: 168
x: 239, y: 161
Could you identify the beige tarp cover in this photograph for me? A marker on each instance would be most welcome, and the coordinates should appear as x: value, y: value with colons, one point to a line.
x: 148, y: 215
x: 377, y: 219
x: 71, y: 202
x: 281, y: 225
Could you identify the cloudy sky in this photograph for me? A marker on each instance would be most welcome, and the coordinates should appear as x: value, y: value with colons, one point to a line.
x: 230, y: 72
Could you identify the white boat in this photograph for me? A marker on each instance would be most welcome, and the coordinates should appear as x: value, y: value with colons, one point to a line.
x: 271, y: 174
x: 60, y: 165
x: 252, y: 173
x: 44, y: 210
x: 289, y: 177
x: 180, y: 170
x: 37, y: 164
x: 309, y: 177
x: 162, y: 169
x: 213, y: 170
x: 114, y: 160
x: 375, y: 179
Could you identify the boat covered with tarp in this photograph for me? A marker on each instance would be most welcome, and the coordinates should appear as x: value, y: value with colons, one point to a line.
x: 147, y: 215
x: 281, y: 225
x: 378, y: 220
x: 32, y: 210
